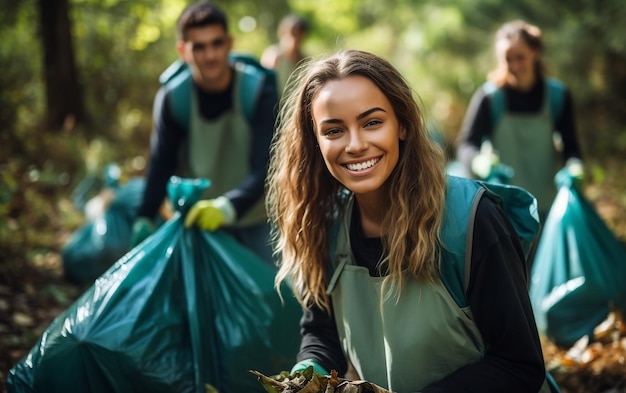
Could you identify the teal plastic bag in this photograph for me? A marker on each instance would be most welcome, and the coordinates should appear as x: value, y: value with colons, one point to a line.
x: 97, y: 244
x: 579, y: 268
x: 183, y: 309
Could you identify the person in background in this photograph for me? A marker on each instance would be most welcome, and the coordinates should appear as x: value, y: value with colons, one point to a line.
x: 369, y: 229
x: 515, y: 118
x: 215, y: 140
x: 285, y: 56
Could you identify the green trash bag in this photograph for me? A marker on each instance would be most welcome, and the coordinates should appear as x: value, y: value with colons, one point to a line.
x: 579, y: 268
x: 182, y: 310
x: 98, y: 243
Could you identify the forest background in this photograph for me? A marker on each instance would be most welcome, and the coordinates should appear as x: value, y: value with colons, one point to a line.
x: 78, y: 78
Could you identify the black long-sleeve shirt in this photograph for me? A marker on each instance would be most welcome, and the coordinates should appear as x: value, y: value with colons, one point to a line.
x: 498, y: 297
x: 167, y: 137
x: 478, y: 124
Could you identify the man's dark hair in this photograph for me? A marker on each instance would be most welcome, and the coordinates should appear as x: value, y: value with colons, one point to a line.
x: 203, y: 13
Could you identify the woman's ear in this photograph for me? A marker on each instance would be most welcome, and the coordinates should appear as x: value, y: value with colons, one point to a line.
x: 402, y: 133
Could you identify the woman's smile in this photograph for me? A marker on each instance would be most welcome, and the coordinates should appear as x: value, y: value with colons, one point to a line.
x: 363, y: 165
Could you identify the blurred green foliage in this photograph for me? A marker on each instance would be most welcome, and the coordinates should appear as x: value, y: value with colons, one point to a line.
x: 443, y: 47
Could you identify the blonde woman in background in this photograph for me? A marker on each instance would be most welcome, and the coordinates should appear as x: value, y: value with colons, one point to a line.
x: 520, y: 112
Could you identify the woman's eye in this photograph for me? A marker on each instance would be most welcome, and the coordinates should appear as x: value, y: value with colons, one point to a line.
x: 372, y: 123
x: 332, y: 131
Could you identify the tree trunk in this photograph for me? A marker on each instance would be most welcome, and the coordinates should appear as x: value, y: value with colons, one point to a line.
x: 64, y: 98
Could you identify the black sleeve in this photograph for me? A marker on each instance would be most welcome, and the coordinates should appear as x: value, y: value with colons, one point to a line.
x: 476, y: 127
x: 251, y: 189
x: 320, y: 341
x: 566, y: 126
x: 164, y: 148
x: 499, y: 301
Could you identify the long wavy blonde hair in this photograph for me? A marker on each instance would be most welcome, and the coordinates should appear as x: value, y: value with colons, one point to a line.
x: 304, y: 198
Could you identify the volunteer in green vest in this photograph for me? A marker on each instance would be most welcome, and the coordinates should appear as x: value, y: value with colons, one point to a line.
x: 520, y: 118
x: 373, y: 239
x: 216, y: 140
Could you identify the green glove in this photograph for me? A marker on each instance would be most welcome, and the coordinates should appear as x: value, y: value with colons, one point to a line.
x: 211, y: 214
x: 304, y: 364
x: 142, y: 228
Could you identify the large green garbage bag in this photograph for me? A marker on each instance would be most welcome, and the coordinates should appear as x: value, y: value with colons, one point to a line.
x: 98, y: 243
x: 579, y: 271
x: 183, y: 309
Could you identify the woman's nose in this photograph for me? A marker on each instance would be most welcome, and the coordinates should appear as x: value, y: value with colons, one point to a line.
x: 356, y: 143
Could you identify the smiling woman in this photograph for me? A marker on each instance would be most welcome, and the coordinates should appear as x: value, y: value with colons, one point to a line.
x: 357, y: 132
x: 371, y: 234
x: 521, y: 113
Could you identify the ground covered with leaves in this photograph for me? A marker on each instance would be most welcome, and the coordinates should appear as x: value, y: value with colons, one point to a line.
x: 29, y: 301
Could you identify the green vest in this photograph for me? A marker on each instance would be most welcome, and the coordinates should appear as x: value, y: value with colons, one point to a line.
x: 284, y: 68
x: 407, y: 343
x: 218, y: 149
x: 177, y: 77
x: 525, y: 142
